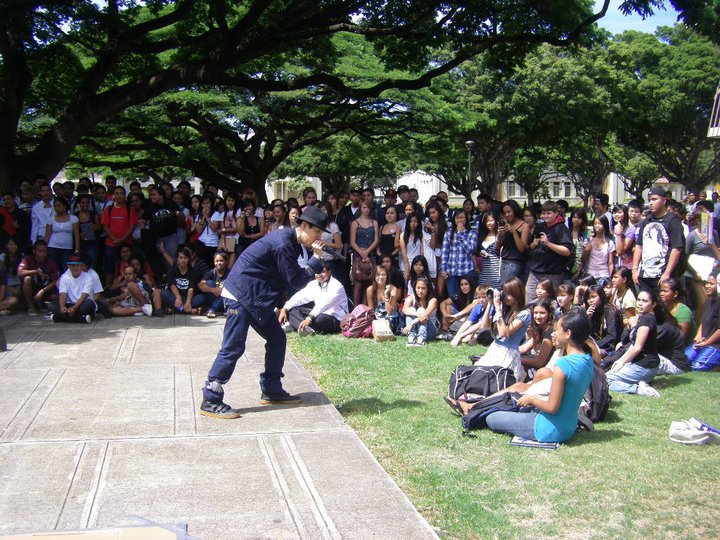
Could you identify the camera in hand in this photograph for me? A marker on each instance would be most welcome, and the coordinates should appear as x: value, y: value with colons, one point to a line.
x: 538, y: 234
x: 492, y: 292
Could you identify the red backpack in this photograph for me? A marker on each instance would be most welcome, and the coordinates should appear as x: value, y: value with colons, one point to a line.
x: 358, y: 323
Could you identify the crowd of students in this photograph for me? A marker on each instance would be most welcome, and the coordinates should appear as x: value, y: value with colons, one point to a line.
x: 488, y: 272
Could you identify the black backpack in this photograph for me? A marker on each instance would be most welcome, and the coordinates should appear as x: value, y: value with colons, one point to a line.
x: 476, y: 417
x: 598, y: 395
x: 480, y: 380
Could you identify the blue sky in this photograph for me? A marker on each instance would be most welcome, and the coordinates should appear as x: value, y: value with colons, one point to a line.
x: 617, y: 23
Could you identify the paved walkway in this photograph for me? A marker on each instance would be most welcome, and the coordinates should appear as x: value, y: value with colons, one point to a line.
x: 99, y: 423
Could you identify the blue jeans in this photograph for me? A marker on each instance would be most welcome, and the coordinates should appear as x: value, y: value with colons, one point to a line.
x: 703, y: 358
x: 168, y: 299
x: 427, y: 331
x: 214, y: 303
x: 521, y: 424
x: 626, y: 379
x: 233, y: 347
x: 510, y: 269
x: 452, y: 285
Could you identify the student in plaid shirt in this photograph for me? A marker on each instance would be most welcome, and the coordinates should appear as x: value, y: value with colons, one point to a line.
x: 457, y: 253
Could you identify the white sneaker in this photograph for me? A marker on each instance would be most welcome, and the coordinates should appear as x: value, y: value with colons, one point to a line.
x: 420, y: 342
x: 147, y: 309
x: 644, y: 389
x: 88, y: 319
x: 410, y: 341
x: 287, y: 327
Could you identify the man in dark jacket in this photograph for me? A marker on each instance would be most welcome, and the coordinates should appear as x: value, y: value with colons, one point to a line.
x: 257, y: 279
x: 549, y: 251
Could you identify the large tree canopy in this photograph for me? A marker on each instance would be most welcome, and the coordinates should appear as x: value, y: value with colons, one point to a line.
x: 69, y: 65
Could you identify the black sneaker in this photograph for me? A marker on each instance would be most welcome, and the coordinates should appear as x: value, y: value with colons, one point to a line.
x: 218, y: 409
x: 158, y: 313
x: 279, y: 398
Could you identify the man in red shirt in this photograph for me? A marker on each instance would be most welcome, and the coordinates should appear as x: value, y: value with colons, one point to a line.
x: 118, y: 220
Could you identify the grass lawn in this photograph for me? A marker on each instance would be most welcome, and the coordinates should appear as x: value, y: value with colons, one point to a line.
x: 626, y: 479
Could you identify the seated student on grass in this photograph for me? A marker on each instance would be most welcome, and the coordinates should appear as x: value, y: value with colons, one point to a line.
x: 671, y: 292
x: 456, y: 308
x: 564, y: 299
x: 212, y: 285
x: 316, y: 308
x: 704, y: 353
x: 623, y: 295
x: 476, y: 328
x: 605, y: 320
x: 38, y: 275
x: 635, y: 365
x: 420, y: 310
x: 537, y: 350
x: 133, y: 299
x: 382, y: 298
x: 510, y: 321
x: 75, y: 288
x: 554, y: 419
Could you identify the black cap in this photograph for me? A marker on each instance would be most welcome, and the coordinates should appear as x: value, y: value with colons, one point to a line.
x: 657, y: 190
x: 315, y: 217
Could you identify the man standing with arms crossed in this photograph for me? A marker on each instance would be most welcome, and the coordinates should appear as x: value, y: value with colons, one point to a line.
x: 251, y: 290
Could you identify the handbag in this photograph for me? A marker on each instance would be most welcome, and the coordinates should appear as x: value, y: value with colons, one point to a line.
x: 362, y: 268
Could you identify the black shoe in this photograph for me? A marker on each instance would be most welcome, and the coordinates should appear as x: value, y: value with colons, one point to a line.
x: 279, y: 398
x: 158, y: 313
x: 218, y: 409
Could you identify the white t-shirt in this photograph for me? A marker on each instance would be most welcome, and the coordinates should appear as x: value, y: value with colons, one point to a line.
x: 207, y: 235
x: 75, y: 287
x: 62, y: 233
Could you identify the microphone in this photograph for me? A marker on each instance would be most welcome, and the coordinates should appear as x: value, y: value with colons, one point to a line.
x: 335, y: 254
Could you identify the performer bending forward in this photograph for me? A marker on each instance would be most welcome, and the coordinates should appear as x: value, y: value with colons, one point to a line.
x: 251, y: 291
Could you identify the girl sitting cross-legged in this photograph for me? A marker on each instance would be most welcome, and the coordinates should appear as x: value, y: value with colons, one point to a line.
x: 420, y: 314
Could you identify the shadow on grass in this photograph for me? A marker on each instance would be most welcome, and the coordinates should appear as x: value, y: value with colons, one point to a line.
x: 612, y: 417
x: 598, y: 436
x: 660, y: 383
x: 374, y: 405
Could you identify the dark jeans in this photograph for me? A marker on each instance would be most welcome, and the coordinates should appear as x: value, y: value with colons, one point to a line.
x: 86, y: 308
x: 168, y: 299
x: 233, y: 347
x: 60, y: 256
x: 649, y: 284
x: 214, y: 303
x: 510, y: 269
x: 324, y: 324
x: 91, y: 249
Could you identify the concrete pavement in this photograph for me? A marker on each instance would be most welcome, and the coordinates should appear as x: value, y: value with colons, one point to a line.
x: 99, y: 423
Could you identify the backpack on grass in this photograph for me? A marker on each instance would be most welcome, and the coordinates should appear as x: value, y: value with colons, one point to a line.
x: 598, y: 395
x: 358, y: 323
x: 479, y: 381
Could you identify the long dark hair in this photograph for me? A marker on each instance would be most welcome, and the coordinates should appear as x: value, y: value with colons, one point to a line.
x: 417, y: 235
x: 468, y: 223
x: 580, y: 212
x: 606, y: 227
x: 430, y: 293
x: 441, y: 224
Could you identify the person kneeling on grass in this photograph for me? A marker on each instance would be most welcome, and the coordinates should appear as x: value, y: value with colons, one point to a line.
x: 420, y: 314
x: 317, y: 307
x: 74, y: 303
x: 554, y: 419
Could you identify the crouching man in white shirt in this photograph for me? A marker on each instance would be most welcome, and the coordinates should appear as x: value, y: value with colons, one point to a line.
x: 75, y: 302
x: 319, y: 307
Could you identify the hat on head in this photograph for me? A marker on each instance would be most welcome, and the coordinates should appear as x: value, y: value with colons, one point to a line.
x: 657, y: 190
x: 315, y: 217
x: 403, y: 189
x: 75, y: 259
